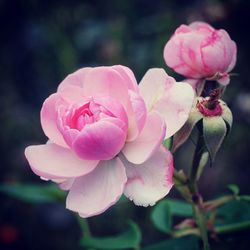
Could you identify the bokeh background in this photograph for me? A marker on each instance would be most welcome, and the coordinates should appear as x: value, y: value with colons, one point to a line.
x: 43, y: 41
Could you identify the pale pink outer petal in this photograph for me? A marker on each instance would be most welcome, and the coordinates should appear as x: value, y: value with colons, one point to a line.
x: 72, y: 94
x: 128, y: 76
x: 49, y: 118
x: 151, y: 181
x: 75, y: 79
x: 175, y: 106
x: 67, y: 184
x: 153, y: 86
x: 92, y: 194
x: 151, y: 137
x: 54, y: 162
x: 105, y: 81
x: 137, y: 114
x: 102, y: 140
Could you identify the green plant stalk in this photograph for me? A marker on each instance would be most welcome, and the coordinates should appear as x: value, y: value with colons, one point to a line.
x: 232, y: 227
x: 196, y: 162
x: 201, y: 221
x: 224, y: 229
x: 197, y: 202
x: 84, y: 227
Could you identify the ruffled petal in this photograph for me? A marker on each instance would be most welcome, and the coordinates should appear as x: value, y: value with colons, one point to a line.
x: 153, y: 86
x: 49, y: 117
x: 137, y: 114
x: 105, y: 81
x: 139, y: 150
x: 128, y: 76
x: 151, y: 181
x: 175, y: 106
x: 54, y: 162
x: 94, y: 193
x: 102, y: 140
x: 75, y: 79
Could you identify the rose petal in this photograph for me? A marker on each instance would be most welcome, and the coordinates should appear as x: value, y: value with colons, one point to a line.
x: 49, y: 119
x: 54, y: 162
x: 175, y: 106
x: 105, y: 81
x: 94, y: 193
x: 181, y: 53
x: 128, y: 76
x: 153, y: 86
x: 72, y: 94
x: 137, y: 115
x: 75, y: 79
x: 148, y: 141
x: 102, y: 140
x: 149, y: 182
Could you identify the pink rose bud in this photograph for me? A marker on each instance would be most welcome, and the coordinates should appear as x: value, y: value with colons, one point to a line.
x: 105, y: 136
x: 199, y: 51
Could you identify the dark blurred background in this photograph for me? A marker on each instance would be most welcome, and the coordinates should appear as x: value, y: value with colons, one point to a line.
x: 43, y: 41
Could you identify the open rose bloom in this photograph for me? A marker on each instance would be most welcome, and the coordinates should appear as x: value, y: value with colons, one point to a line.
x: 105, y: 136
x: 199, y: 51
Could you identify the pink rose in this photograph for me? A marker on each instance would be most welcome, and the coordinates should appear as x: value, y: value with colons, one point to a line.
x: 105, y: 136
x: 200, y: 51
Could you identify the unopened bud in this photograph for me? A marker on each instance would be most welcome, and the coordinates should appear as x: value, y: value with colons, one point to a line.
x: 216, y: 119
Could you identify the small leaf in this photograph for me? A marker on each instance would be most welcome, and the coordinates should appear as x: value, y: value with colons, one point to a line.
x: 34, y: 193
x: 187, y: 243
x: 214, y: 131
x: 182, y: 135
x: 245, y: 198
x: 234, y: 188
x: 168, y: 143
x: 161, y: 217
x: 127, y: 240
x: 233, y: 212
x: 180, y: 208
x: 202, y: 163
x: 227, y: 115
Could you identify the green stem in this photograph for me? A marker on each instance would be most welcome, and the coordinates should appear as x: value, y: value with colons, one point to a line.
x: 232, y: 227
x: 178, y: 178
x: 84, y: 226
x: 196, y: 162
x: 201, y: 222
x: 197, y: 202
x: 224, y: 229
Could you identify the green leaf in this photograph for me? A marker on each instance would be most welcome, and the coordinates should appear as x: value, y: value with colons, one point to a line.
x: 203, y: 161
x: 214, y: 132
x: 184, y: 243
x: 164, y: 210
x: 180, y: 208
x: 127, y: 240
x: 236, y: 211
x: 168, y: 143
x: 161, y: 217
x: 244, y: 198
x: 234, y: 188
x: 34, y: 193
x: 227, y: 115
